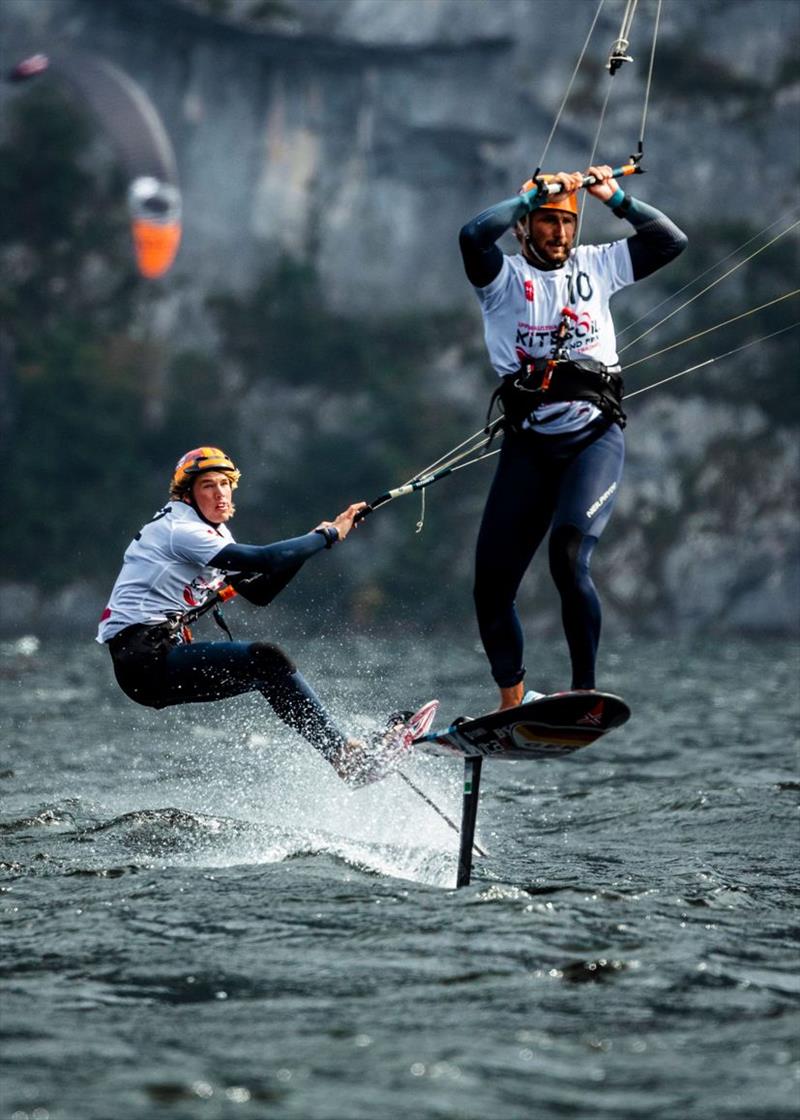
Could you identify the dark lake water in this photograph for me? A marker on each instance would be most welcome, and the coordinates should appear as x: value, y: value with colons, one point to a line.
x: 200, y: 922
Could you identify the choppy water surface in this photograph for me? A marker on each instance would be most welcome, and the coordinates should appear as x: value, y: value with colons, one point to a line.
x: 201, y: 922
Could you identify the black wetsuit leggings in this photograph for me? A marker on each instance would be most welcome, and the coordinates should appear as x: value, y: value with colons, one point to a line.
x: 567, y: 482
x: 196, y: 672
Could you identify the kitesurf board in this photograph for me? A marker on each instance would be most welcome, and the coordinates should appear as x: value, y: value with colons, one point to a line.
x: 550, y: 727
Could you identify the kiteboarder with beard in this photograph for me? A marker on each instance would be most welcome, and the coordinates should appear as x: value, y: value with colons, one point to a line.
x: 551, y: 340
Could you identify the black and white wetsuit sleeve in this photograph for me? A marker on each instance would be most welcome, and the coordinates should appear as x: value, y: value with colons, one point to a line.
x: 657, y: 240
x: 274, y: 564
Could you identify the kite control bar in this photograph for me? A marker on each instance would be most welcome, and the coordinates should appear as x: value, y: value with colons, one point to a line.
x: 420, y: 483
x: 464, y: 455
x: 630, y: 168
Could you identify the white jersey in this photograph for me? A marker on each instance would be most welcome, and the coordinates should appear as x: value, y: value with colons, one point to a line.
x: 523, y: 308
x: 165, y: 569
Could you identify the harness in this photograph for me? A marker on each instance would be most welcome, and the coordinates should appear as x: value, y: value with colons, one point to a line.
x: 182, y: 623
x: 153, y: 642
x: 541, y: 381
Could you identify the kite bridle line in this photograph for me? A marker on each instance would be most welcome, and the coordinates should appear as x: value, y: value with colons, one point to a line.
x: 716, y: 327
x: 711, y: 267
x: 617, y: 56
x: 710, y: 361
x: 708, y: 287
x: 568, y: 90
x: 476, y: 447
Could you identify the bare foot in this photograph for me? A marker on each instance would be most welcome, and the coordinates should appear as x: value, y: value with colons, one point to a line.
x: 511, y: 697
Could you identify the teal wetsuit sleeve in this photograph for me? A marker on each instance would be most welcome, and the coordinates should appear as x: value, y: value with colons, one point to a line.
x: 477, y: 239
x: 657, y: 240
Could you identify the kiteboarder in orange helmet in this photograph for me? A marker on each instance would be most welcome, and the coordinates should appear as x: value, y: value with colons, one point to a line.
x: 180, y: 559
x: 551, y: 341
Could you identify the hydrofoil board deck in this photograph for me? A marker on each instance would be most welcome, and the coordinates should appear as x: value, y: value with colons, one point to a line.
x: 550, y: 727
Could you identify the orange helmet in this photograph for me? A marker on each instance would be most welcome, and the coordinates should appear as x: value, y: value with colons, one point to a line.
x: 568, y: 202
x: 197, y: 462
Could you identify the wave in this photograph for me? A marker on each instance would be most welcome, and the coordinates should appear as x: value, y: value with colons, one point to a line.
x: 170, y: 836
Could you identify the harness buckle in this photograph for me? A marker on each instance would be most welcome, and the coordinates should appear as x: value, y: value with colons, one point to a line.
x: 547, y: 376
x: 532, y: 368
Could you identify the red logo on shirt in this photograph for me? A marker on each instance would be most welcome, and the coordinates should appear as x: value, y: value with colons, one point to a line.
x: 582, y: 323
x: 189, y: 597
x: 529, y: 291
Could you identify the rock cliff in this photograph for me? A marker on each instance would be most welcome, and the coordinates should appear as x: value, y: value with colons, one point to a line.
x: 362, y: 133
